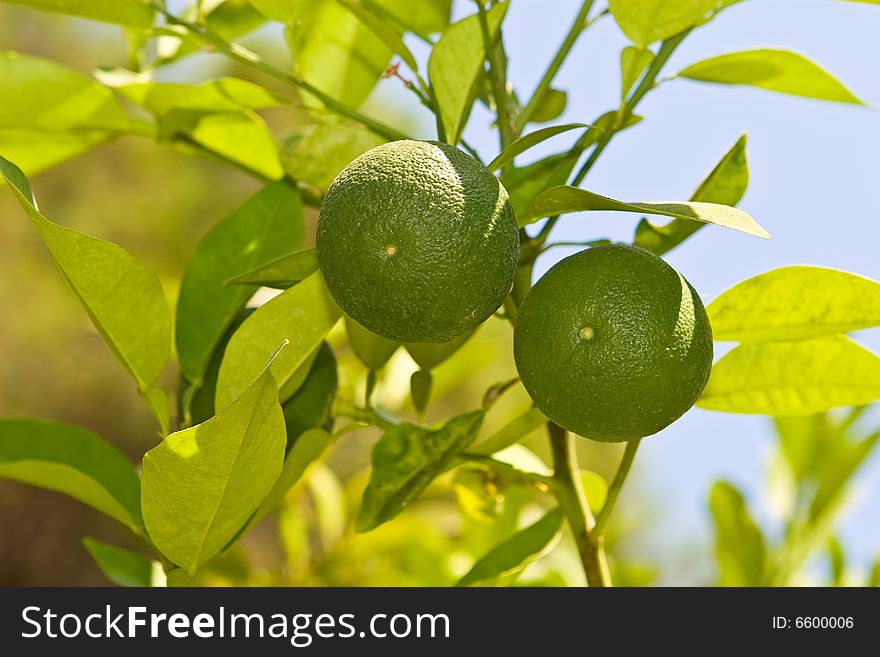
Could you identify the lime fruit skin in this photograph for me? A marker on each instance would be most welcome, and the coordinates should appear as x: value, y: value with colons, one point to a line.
x: 613, y: 344
x: 417, y: 241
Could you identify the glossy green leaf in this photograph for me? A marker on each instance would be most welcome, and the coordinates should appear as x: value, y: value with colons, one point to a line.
x: 564, y: 199
x: 793, y: 378
x: 73, y: 461
x: 389, y: 35
x: 123, y: 298
x: 551, y: 106
x: 281, y: 273
x: 726, y: 184
x: 316, y: 156
x: 229, y: 20
x: 795, y: 302
x: 124, y: 567
x: 512, y: 432
x: 429, y: 355
x: 51, y: 113
x: 420, y: 384
x: 339, y: 54
x: 633, y: 62
x: 455, y: 65
x: 524, y: 546
x: 783, y: 71
x: 528, y: 141
x: 312, y: 405
x: 304, y: 315
x: 201, y: 485
x: 307, y: 449
x: 371, y: 349
x: 223, y: 95
x: 134, y: 13
x: 647, y: 21
x: 739, y: 544
x: 266, y: 226
x: 422, y: 17
x: 406, y: 459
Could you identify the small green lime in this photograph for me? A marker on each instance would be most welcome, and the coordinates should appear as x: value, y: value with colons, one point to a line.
x: 417, y: 241
x: 613, y: 344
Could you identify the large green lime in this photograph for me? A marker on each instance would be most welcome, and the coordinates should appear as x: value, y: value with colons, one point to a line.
x: 613, y: 344
x: 417, y: 241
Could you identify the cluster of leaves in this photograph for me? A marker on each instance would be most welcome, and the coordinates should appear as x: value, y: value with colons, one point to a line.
x: 258, y: 404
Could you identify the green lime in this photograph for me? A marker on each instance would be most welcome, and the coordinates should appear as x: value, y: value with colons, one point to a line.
x: 613, y: 344
x: 417, y: 241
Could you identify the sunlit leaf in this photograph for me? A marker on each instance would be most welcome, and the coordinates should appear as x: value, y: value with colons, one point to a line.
x: 266, y: 226
x: 389, y: 35
x: 726, y: 184
x: 739, y: 544
x: 201, y: 485
x: 551, y: 106
x: 223, y: 95
x: 406, y: 459
x: 795, y: 302
x: 633, y: 62
x: 73, y: 461
x: 528, y: 141
x: 647, y: 21
x: 793, y: 378
x: 455, y: 65
x: 304, y: 315
x: 564, y: 199
x: 281, y: 273
x: 134, y: 13
x: 124, y: 567
x: 784, y: 71
x: 524, y: 546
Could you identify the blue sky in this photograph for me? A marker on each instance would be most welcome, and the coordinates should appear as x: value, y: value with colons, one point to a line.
x: 814, y: 173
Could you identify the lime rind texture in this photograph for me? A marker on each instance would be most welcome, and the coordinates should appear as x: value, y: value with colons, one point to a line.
x: 613, y: 344
x: 417, y: 241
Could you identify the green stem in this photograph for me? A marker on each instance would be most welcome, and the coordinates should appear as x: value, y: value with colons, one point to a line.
x: 616, y: 484
x: 498, y: 77
x: 578, y: 26
x: 507, y: 470
x: 342, y: 408
x: 250, y: 59
x: 570, y: 492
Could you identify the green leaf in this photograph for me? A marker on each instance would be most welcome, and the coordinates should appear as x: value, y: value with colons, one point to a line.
x: 429, y: 355
x: 595, y: 489
x: 304, y: 315
x: 456, y: 64
x: 835, y: 471
x: 339, y: 54
x: 281, y: 273
x: 134, y: 13
x: 874, y: 577
x: 784, y: 71
x: 739, y: 544
x: 283, y: 11
x: 51, y: 113
x: 73, y: 461
x: 317, y: 155
x: 647, y: 21
x: 564, y: 199
x: 804, y: 441
x: 512, y: 432
x: 422, y: 17
x: 552, y: 105
x: 223, y: 95
x: 406, y: 459
x: 239, y: 137
x: 124, y: 567
x: 633, y: 62
x: 123, y: 298
x: 420, y: 384
x: 792, y: 303
x: 793, y: 378
x: 307, y: 449
x: 371, y: 349
x: 528, y: 141
x: 726, y: 184
x: 516, y: 552
x: 837, y: 561
x: 201, y: 485
x: 390, y: 36
x: 228, y: 19
x: 312, y: 405
x: 266, y: 226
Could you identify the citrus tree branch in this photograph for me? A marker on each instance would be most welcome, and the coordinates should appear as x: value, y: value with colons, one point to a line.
x: 616, y: 484
x: 498, y: 76
x: 578, y: 26
x: 250, y: 59
x: 570, y: 492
